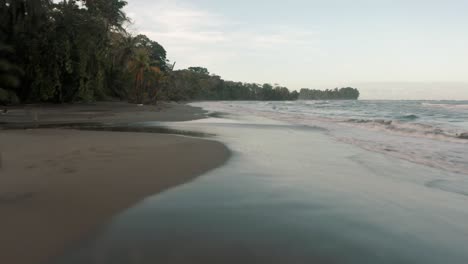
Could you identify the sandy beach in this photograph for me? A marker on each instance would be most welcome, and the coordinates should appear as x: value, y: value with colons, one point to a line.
x: 100, y: 112
x: 59, y: 185
x: 290, y: 194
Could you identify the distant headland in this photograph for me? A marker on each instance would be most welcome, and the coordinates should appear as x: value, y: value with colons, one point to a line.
x: 347, y: 93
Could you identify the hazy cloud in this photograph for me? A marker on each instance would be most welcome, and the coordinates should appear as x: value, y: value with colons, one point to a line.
x: 317, y: 44
x: 190, y: 33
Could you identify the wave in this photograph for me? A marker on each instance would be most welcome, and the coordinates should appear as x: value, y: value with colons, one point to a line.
x: 408, y: 117
x: 414, y: 129
x: 436, y: 144
x: 317, y: 104
x: 447, y: 106
x: 372, y: 121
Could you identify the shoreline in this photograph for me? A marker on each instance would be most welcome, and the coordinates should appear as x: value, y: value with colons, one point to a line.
x: 59, y: 185
x: 291, y: 193
x: 100, y: 112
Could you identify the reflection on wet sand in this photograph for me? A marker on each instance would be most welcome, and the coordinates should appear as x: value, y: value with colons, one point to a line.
x: 290, y: 195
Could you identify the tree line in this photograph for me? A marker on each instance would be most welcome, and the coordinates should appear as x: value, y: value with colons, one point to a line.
x: 74, y: 51
x: 79, y: 51
x: 347, y: 93
x: 196, y: 83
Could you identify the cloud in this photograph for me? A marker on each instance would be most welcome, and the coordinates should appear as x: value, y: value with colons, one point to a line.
x: 174, y: 21
x: 286, y: 36
x: 192, y: 35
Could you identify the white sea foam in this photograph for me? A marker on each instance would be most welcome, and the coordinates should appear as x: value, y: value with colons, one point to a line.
x: 430, y: 139
x: 447, y: 106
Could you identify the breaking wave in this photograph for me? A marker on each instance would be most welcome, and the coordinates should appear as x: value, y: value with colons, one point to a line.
x: 455, y: 106
x: 410, y: 129
x: 428, y: 133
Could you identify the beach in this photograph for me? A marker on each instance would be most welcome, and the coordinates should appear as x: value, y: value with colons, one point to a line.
x: 199, y: 132
x: 58, y: 186
x: 290, y: 193
x: 100, y: 112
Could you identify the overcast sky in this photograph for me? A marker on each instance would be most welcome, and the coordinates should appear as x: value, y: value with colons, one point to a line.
x: 390, y: 49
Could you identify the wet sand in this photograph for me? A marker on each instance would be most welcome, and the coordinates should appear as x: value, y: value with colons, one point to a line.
x: 100, y: 112
x: 58, y: 186
x: 290, y: 194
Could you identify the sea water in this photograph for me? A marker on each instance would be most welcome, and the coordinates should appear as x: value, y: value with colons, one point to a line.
x: 294, y: 192
x: 433, y: 133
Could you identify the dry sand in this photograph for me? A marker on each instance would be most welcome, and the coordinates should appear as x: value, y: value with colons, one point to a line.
x: 59, y: 185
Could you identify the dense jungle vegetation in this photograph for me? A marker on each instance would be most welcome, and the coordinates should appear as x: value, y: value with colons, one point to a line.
x: 79, y: 51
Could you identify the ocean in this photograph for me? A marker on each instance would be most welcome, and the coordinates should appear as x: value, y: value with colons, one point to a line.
x: 301, y: 186
x: 432, y: 133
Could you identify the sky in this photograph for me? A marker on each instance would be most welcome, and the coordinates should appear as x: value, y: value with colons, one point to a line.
x: 389, y: 49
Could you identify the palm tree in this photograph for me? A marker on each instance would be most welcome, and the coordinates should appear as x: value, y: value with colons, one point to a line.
x: 145, y: 76
x: 138, y: 65
x: 154, y: 77
x: 110, y: 11
x: 142, y: 69
x: 123, y: 48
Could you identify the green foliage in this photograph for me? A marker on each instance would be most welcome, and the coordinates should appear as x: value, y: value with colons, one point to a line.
x: 108, y: 11
x: 157, y: 54
x: 9, y: 76
x: 195, y: 83
x: 199, y: 70
x: 347, y: 93
x: 8, y: 97
x: 78, y: 51
x: 63, y: 47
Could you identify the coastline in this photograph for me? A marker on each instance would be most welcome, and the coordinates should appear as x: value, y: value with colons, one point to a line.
x: 100, y: 112
x: 59, y: 185
x: 290, y: 193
